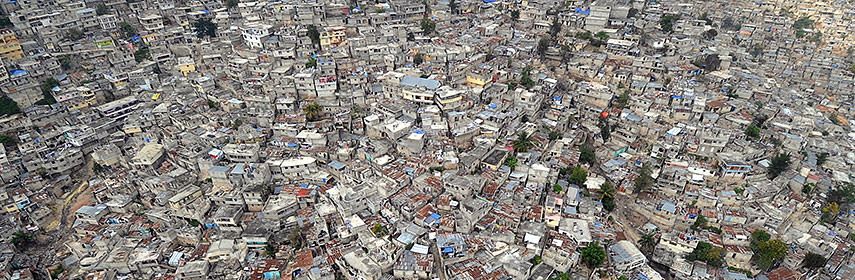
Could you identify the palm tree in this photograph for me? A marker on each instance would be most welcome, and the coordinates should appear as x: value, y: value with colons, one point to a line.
x: 313, y: 111
x: 523, y: 143
x: 647, y: 242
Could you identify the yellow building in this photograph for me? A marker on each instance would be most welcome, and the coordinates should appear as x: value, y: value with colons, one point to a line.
x: 476, y: 81
x: 186, y: 65
x: 333, y: 36
x: 10, y: 48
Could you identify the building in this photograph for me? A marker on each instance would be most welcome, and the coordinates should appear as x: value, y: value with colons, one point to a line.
x: 625, y: 256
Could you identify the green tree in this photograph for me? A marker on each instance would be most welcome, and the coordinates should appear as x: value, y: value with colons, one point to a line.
x: 6, y: 140
x: 648, y: 242
x: 578, y: 176
x: 608, y: 196
x: 555, y: 28
x: 710, y: 34
x: 594, y: 255
x: 270, y: 250
x: 418, y: 59
x: 312, y: 62
x: 22, y: 239
x: 553, y: 135
x: 707, y: 253
x: 780, y: 163
x: 8, y: 106
x: 700, y: 223
x: 667, y: 23
x: 128, y: 30
x: 74, y: 34
x: 622, y: 100
x: 769, y: 252
x: 525, y: 79
x: 47, y: 92
x: 605, y: 128
x: 557, y: 188
x: 511, y: 161
x: 231, y: 4
x: 204, y: 27
x: 313, y: 111
x: 542, y: 46
x: 515, y: 15
x: 586, y: 155
x: 821, y: 158
x: 536, y: 260
x: 102, y: 9
x: 602, y: 35
x: 314, y: 35
x: 752, y: 132
x: 644, y: 181
x: 141, y: 54
x: 522, y: 143
x: 379, y: 230
x: 428, y: 26
x: 813, y: 261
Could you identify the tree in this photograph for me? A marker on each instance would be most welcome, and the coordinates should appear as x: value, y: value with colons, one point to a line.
x: 313, y: 111
x: 644, y: 181
x: 602, y: 35
x: 511, y: 162
x: 379, y: 230
x: 5, y: 22
x: 605, y: 128
x: 556, y: 27
x: 128, y: 30
x: 74, y: 34
x: 622, y: 100
x: 557, y: 188
x: 667, y: 23
x: 536, y: 260
x: 6, y: 140
x: 22, y: 239
x: 830, y: 211
x: 632, y: 12
x: 418, y: 59
x: 142, y: 54
x: 428, y: 26
x: 752, y: 132
x: 843, y: 194
x: 821, y: 158
x: 515, y: 15
x: 553, y: 135
x: 522, y: 143
x: 203, y: 27
x: 312, y: 62
x: 647, y: 242
x: 608, y: 196
x: 813, y: 261
x: 710, y: 34
x: 231, y: 4
x: 594, y: 255
x: 542, y: 46
x: 8, y: 106
x: 314, y: 35
x: 700, y: 222
x: 707, y: 253
x: 102, y: 9
x: 768, y: 253
x: 47, y: 92
x: 780, y: 163
x: 834, y: 119
x: 586, y: 155
x: 578, y: 176
x: 728, y: 24
x: 270, y: 250
x: 525, y: 79
x: 712, y: 63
